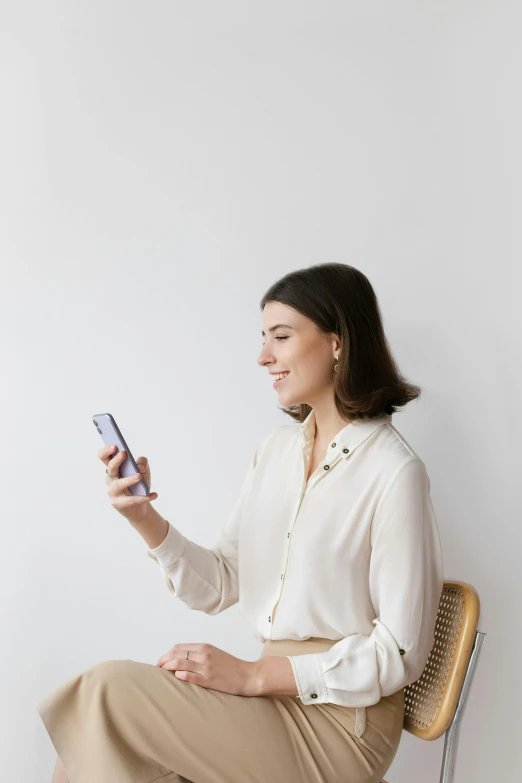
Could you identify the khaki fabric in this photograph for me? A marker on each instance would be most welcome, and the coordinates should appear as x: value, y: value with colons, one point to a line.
x: 124, y: 721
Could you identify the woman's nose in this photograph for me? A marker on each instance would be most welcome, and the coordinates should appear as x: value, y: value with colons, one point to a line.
x: 262, y: 358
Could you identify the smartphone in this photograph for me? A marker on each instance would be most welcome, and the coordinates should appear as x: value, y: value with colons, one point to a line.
x: 111, y: 436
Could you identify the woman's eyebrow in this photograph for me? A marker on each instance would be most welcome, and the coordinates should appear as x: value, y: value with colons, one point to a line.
x: 278, y: 326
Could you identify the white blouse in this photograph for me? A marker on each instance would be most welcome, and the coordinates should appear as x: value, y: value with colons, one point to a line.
x: 353, y: 555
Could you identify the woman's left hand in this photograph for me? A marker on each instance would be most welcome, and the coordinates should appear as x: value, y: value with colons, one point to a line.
x: 211, y: 667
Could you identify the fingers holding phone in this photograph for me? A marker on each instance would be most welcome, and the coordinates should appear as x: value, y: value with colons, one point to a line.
x: 132, y: 507
x: 117, y: 483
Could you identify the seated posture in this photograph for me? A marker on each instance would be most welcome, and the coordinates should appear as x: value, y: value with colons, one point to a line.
x: 332, y: 554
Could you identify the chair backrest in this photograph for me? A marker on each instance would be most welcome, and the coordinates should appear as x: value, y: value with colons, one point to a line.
x: 430, y: 702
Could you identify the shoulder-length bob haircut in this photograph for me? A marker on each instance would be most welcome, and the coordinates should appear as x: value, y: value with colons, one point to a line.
x: 340, y: 299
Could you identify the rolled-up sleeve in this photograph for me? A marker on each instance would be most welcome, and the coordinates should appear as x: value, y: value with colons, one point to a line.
x: 205, y: 579
x: 405, y: 581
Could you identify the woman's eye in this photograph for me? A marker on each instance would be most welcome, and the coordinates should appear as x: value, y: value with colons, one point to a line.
x: 280, y: 337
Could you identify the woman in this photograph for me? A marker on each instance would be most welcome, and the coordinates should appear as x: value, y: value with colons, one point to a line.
x: 333, y: 555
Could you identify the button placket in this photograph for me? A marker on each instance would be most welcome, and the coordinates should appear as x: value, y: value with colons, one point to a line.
x: 295, y: 515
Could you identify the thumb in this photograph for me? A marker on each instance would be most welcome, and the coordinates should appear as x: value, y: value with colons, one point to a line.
x: 143, y: 464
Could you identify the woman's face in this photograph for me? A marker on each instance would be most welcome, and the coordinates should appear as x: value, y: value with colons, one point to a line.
x: 299, y: 349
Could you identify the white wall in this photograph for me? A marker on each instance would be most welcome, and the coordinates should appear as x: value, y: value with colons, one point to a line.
x: 162, y: 164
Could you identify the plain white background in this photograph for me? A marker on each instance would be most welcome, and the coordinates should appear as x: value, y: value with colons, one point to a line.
x: 162, y: 164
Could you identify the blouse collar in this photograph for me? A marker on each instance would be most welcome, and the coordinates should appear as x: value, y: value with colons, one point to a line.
x: 349, y: 437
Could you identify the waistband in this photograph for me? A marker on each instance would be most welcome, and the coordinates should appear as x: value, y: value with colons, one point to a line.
x: 284, y: 647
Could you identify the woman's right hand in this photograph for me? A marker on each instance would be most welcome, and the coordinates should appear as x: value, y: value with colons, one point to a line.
x: 133, y: 507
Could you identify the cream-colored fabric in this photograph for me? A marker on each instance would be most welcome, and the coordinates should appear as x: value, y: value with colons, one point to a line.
x: 353, y: 555
x: 291, y: 648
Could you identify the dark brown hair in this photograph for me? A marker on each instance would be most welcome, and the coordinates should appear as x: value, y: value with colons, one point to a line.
x: 340, y: 299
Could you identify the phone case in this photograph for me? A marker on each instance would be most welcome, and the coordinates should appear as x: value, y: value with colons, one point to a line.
x: 111, y: 436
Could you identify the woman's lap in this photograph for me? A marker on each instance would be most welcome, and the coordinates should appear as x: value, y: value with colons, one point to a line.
x: 124, y: 721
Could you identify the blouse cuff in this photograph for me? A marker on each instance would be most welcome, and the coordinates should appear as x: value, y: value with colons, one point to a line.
x: 171, y: 549
x: 309, y: 678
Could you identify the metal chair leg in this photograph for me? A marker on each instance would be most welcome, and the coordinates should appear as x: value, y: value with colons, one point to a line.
x: 452, y: 733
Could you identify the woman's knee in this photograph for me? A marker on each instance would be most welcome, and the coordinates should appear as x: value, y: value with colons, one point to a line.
x: 111, y: 673
x: 127, y: 683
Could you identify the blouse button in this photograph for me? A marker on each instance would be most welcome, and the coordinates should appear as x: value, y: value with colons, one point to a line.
x: 314, y: 695
x: 327, y: 467
x: 401, y: 652
x: 269, y: 619
x: 346, y: 451
x: 334, y: 445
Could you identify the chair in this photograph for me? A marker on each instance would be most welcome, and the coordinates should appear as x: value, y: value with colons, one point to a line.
x: 434, y: 704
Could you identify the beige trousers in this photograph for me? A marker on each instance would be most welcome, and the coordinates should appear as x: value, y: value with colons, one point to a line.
x: 123, y: 721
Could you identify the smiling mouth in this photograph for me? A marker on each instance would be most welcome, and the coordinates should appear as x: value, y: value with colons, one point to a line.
x: 276, y: 383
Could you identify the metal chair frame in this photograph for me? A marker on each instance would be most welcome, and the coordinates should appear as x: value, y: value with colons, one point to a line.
x: 451, y: 738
